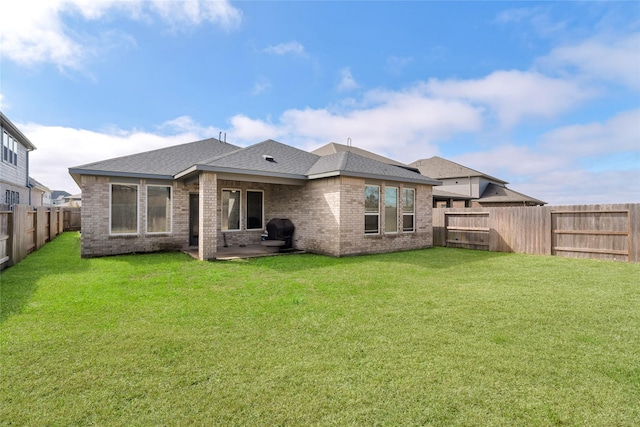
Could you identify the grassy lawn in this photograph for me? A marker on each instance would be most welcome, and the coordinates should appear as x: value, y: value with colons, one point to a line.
x: 433, y: 337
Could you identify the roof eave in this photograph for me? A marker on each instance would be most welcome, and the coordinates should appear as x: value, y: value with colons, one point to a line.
x: 218, y: 169
x: 16, y: 132
x: 116, y: 174
x: 375, y: 176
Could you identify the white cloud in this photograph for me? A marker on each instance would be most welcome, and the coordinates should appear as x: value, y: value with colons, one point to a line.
x: 514, y: 95
x: 556, y: 168
x: 347, y: 82
x: 613, y: 59
x: 34, y: 32
x: 578, y: 186
x: 402, y: 125
x: 621, y: 133
x: 292, y: 47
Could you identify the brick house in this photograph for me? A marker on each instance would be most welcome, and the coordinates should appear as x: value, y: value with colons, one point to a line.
x: 205, y: 192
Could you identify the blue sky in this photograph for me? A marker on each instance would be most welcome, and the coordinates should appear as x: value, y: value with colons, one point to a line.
x: 544, y: 95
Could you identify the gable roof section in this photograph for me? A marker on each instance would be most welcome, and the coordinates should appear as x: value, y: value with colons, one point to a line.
x: 334, y: 148
x: 498, y: 194
x: 162, y: 163
x: 352, y: 164
x: 440, y: 168
x: 267, y: 158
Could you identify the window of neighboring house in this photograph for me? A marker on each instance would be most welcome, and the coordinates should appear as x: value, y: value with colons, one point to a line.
x: 17, y: 197
x: 408, y: 209
x: 230, y: 210
x: 15, y: 152
x: 5, y: 146
x: 7, y: 197
x: 158, y: 209
x: 255, y: 210
x: 371, y: 209
x: 390, y: 210
x: 123, y: 199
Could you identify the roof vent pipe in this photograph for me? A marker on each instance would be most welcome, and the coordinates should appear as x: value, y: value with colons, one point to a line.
x: 349, y: 143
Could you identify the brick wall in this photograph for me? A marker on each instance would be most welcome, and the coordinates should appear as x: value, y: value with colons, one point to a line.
x: 95, y: 238
x: 328, y: 215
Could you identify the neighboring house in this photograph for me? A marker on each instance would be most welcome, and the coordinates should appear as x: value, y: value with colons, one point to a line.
x: 14, y: 165
x: 40, y: 194
x: 71, y: 201
x: 58, y: 197
x: 466, y: 187
x: 207, y: 192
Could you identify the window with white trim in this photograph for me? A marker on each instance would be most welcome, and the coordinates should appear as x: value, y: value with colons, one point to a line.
x: 390, y: 209
x: 123, y: 201
x: 158, y: 209
x: 5, y: 146
x: 371, y: 209
x: 231, y: 210
x: 408, y: 209
x: 255, y: 210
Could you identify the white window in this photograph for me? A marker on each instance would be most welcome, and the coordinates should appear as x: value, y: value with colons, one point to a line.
x: 390, y: 210
x: 15, y: 152
x: 123, y: 200
x: 158, y: 209
x: 255, y: 210
x: 5, y: 146
x: 231, y: 210
x: 408, y: 209
x: 371, y: 209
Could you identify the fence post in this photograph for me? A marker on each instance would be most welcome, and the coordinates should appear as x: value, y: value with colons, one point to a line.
x: 10, y: 238
x: 19, y: 234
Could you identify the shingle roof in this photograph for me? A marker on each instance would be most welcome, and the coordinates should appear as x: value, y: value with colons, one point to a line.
x: 352, y: 164
x: 334, y: 147
x: 494, y: 193
x: 164, y: 162
x: 268, y: 158
x: 439, y: 168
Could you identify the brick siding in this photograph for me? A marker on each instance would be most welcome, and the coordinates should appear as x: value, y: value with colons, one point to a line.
x: 328, y: 215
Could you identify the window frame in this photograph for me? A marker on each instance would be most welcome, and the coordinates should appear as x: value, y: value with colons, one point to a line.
x: 371, y: 213
x: 222, y: 211
x: 246, y: 210
x: 395, y: 217
x: 5, y: 146
x: 412, y: 213
x: 169, y: 213
x: 128, y: 184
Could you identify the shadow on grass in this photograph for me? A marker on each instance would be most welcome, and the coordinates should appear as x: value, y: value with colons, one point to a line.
x: 436, y: 258
x: 19, y: 282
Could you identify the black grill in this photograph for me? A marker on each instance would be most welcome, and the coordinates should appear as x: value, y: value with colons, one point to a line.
x: 281, y: 229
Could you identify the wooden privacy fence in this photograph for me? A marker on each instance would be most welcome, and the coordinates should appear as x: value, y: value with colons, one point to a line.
x: 25, y: 230
x: 609, y: 232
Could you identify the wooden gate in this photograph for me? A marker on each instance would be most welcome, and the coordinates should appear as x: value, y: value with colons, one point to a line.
x: 469, y: 230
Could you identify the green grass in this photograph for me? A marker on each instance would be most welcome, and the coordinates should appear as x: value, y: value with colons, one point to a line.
x: 441, y: 337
